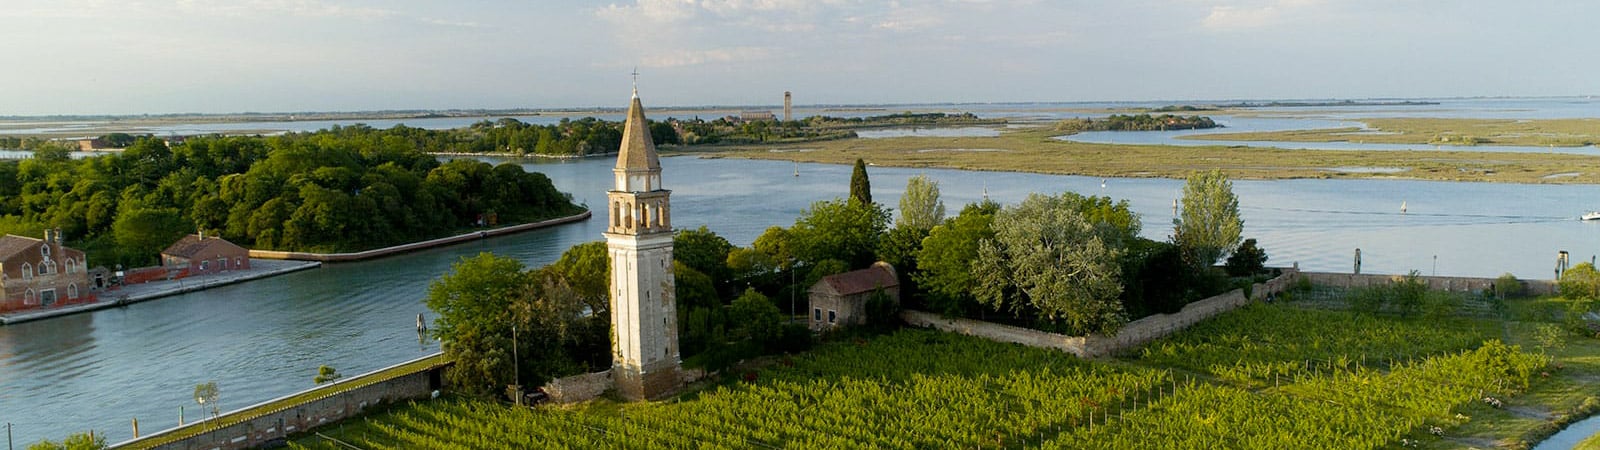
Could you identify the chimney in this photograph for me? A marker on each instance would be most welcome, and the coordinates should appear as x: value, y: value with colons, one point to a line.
x: 58, y: 236
x: 48, y: 235
x: 202, y: 235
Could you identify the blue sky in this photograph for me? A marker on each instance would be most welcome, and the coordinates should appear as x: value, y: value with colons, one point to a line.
x: 216, y: 56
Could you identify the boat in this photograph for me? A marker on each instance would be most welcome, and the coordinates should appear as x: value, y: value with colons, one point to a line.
x: 1592, y: 215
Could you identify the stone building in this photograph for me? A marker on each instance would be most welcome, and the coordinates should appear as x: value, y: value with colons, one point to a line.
x: 841, y: 299
x: 644, y: 314
x: 44, y: 273
x: 197, y: 254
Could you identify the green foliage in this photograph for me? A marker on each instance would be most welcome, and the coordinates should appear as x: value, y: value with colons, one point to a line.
x: 74, y: 441
x: 1209, y: 224
x: 1139, y: 122
x: 693, y: 289
x: 860, y: 186
x: 1247, y: 260
x: 756, y: 317
x: 142, y: 233
x: 835, y: 229
x: 1580, y: 282
x: 586, y: 268
x: 1508, y: 287
x: 1155, y: 280
x: 882, y: 310
x: 1047, y: 259
x: 1551, y: 338
x: 944, y: 264
x: 899, y: 248
x: 326, y: 374
x: 207, y: 396
x: 703, y: 251
x: 822, y: 269
x: 920, y: 207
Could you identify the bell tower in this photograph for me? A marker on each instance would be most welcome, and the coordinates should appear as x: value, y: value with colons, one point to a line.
x: 644, y: 318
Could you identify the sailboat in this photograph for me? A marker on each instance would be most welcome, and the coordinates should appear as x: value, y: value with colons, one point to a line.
x: 1402, y: 207
x: 1592, y: 215
x: 797, y: 168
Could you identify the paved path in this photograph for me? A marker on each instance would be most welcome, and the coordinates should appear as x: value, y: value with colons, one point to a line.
x: 134, y: 293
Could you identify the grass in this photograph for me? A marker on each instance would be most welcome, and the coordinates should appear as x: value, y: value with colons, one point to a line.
x: 921, y: 389
x: 1439, y: 131
x: 1035, y: 150
x: 235, y: 417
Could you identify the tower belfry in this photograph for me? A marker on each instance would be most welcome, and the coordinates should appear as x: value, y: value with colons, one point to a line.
x: 644, y: 319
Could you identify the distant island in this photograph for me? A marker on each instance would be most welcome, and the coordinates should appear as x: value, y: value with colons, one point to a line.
x: 1327, y: 103
x: 1138, y: 122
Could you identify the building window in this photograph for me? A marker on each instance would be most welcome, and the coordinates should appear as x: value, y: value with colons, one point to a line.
x: 70, y: 264
x: 28, y: 299
x: 72, y: 291
x: 50, y: 266
x: 27, y: 272
x: 832, y: 316
x: 238, y: 263
x: 816, y: 314
x: 204, y: 264
x: 222, y: 263
x: 44, y: 269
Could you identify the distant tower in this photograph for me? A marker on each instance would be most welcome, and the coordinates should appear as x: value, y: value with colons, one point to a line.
x: 786, y: 112
x: 644, y: 316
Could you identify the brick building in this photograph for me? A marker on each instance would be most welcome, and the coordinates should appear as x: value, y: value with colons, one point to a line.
x: 43, y: 273
x: 841, y: 299
x: 197, y: 254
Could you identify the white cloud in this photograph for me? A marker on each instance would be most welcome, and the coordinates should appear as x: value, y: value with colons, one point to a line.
x: 1256, y: 14
x: 709, y: 56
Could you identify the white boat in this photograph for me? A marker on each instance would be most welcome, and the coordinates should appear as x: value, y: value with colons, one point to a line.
x: 1592, y: 215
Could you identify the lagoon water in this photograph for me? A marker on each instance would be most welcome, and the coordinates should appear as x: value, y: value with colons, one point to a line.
x: 265, y: 339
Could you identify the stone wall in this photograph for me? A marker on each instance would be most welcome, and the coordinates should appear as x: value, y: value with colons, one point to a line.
x: 1132, y: 335
x: 1450, y: 284
x: 265, y: 427
x: 578, y: 388
x: 387, y: 251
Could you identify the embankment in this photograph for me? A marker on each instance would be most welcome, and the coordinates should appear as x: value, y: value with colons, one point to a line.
x: 414, y: 246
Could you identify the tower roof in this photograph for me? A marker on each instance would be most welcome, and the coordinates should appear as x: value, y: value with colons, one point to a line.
x: 638, y: 150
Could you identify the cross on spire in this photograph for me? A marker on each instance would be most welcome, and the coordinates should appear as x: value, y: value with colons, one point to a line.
x: 635, y: 81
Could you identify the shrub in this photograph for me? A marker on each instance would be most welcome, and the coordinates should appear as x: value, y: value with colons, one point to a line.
x: 1508, y: 286
x: 1580, y: 282
x: 1408, y: 294
x: 1247, y: 260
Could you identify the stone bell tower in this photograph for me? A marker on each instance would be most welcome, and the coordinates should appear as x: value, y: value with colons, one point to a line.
x: 644, y: 318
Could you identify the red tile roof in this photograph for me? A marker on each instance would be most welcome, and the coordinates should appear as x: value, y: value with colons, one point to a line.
x: 880, y: 275
x: 192, y: 245
x: 12, y: 244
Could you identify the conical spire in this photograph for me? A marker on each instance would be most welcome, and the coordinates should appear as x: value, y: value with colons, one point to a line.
x: 638, y: 149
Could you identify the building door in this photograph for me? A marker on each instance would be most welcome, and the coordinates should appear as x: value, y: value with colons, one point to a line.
x: 47, y: 297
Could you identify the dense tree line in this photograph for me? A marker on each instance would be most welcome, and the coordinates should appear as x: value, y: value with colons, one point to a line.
x: 348, y: 188
x: 1138, y: 122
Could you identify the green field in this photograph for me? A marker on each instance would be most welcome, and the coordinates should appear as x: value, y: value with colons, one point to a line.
x: 1264, y: 376
x: 1035, y: 150
x: 1442, y: 132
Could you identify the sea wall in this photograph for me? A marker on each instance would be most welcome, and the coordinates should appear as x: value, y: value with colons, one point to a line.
x: 1450, y: 284
x: 253, y: 426
x: 588, y: 386
x: 1131, y: 335
x: 414, y: 246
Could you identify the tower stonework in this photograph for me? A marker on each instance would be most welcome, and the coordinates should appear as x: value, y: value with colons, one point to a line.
x: 786, y: 104
x: 644, y: 319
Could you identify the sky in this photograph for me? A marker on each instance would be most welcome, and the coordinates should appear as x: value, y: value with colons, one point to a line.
x: 227, y: 56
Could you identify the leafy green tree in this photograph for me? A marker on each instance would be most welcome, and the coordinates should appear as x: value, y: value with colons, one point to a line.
x: 207, y: 396
x: 757, y: 317
x: 899, y: 248
x: 944, y: 262
x: 920, y: 206
x: 1247, y: 260
x: 704, y: 251
x: 75, y: 441
x: 1045, y: 258
x: 834, y: 229
x: 1209, y: 224
x: 692, y: 288
x: 587, y: 269
x: 474, y: 304
x: 326, y: 374
x: 143, y: 232
x: 1580, y: 282
x: 860, y: 186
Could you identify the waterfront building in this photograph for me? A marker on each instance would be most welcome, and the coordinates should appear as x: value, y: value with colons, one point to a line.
x: 841, y: 299
x: 198, y: 254
x: 36, y: 274
x: 644, y: 314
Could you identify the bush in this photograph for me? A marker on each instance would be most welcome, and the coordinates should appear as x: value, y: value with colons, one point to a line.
x: 1247, y: 260
x: 1581, y: 282
x: 1409, y: 294
x: 883, y: 311
x: 1507, y: 287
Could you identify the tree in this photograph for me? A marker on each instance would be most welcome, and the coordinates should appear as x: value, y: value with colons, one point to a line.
x: 920, y: 206
x: 1046, y: 259
x: 757, y: 318
x: 944, y: 264
x: 1580, y: 282
x: 142, y: 233
x: 1247, y: 260
x: 474, y: 303
x: 704, y: 251
x: 205, y: 394
x: 835, y: 229
x: 587, y: 270
x: 1209, y: 224
x: 326, y: 374
x: 75, y: 441
x: 860, y: 186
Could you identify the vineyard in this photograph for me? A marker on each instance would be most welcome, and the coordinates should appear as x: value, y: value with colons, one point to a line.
x: 1264, y: 376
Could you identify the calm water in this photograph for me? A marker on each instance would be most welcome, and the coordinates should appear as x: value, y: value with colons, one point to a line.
x: 265, y: 339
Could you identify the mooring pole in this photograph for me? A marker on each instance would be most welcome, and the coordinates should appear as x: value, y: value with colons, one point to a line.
x: 9, y: 446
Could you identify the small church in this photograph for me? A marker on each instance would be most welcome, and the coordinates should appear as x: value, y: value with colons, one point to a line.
x: 644, y: 318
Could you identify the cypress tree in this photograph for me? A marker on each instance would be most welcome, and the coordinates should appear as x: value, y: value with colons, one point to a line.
x: 860, y: 187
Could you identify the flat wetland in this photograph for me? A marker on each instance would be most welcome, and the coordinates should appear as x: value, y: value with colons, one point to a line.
x: 1036, y: 150
x: 1438, y: 131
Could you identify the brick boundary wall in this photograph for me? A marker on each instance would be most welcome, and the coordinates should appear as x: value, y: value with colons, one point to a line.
x: 1133, y: 334
x: 302, y: 417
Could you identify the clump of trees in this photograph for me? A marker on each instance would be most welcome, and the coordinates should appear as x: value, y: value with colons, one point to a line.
x: 343, y: 189
x: 1138, y: 122
x: 76, y: 441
